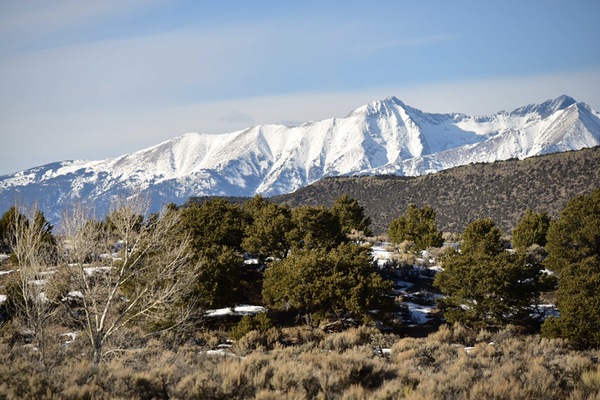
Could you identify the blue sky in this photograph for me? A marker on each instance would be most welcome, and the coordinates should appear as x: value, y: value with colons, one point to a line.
x: 97, y: 79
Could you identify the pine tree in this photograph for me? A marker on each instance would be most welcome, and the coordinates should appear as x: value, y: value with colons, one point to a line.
x: 314, y: 228
x: 214, y: 223
x: 323, y: 282
x: 575, y: 236
x: 37, y: 222
x: 531, y: 229
x: 351, y: 215
x: 574, y: 254
x: 418, y: 226
x: 10, y: 219
x: 482, y: 236
x: 487, y: 287
x: 217, y: 277
x: 266, y: 233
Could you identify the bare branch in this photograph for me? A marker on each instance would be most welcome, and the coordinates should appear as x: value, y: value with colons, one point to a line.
x: 129, y: 268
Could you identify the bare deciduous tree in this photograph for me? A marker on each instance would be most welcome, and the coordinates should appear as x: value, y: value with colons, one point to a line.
x: 32, y: 250
x: 126, y: 270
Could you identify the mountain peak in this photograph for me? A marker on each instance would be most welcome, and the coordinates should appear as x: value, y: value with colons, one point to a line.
x: 546, y: 108
x: 560, y: 103
x: 380, y: 107
x: 391, y: 102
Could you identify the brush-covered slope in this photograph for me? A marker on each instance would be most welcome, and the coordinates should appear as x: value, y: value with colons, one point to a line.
x: 502, y: 190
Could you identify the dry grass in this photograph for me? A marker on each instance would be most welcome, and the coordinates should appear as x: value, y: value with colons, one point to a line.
x: 345, y: 365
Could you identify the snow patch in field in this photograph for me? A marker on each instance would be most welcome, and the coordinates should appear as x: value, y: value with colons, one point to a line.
x: 92, y: 270
x: 220, y: 353
x: 402, y: 286
x: 237, y: 310
x: 419, y: 314
x: 3, y: 298
x: 543, y: 311
x: 71, y: 335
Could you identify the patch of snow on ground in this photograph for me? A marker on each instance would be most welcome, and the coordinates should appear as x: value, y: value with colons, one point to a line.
x: 419, y: 314
x: 92, y: 270
x: 251, y: 260
x: 6, y: 272
x: 220, y: 353
x: 237, y: 310
x: 71, y: 335
x: 544, y: 311
x: 402, y: 286
x: 2, y: 298
x: 380, y: 254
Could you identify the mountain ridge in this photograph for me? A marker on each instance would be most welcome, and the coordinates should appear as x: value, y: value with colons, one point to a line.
x: 502, y: 190
x: 381, y: 137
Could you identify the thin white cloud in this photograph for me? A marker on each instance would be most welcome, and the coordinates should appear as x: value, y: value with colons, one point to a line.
x: 475, y: 97
x: 414, y: 41
x: 130, y: 71
x: 237, y: 117
x: 24, y: 21
x: 488, y: 96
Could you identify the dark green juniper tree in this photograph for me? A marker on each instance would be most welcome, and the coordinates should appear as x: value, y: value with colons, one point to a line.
x: 574, y: 254
x: 351, y: 215
x: 266, y: 234
x: 531, y: 229
x: 486, y: 286
x: 215, y: 222
x: 418, y: 226
x: 321, y: 282
x: 314, y: 228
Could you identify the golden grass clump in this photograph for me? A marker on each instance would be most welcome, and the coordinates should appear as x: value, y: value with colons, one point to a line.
x: 452, y: 363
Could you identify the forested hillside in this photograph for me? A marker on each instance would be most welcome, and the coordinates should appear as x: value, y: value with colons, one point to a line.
x: 501, y: 190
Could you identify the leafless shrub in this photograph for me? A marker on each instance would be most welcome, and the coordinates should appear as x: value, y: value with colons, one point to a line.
x: 143, y: 282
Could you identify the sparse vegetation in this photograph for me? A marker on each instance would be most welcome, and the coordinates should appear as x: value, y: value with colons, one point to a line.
x: 502, y: 190
x: 452, y: 363
x: 120, y: 306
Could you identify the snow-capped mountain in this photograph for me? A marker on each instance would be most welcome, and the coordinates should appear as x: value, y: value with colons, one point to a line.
x: 383, y: 137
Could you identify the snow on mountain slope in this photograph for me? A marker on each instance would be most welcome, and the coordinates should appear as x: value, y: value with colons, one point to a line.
x: 385, y: 136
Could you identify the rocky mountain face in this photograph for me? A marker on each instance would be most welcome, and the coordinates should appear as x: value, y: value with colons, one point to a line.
x: 383, y: 137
